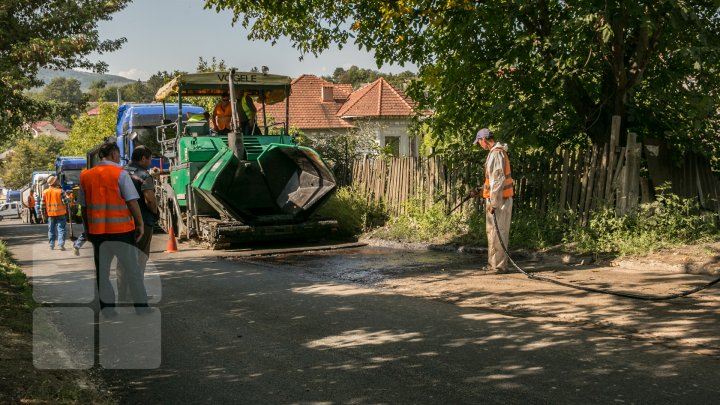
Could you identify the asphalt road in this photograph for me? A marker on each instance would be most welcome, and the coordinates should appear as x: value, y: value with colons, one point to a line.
x: 236, y: 331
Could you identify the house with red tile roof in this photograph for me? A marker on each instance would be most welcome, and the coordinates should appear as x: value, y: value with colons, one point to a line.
x: 52, y: 128
x: 93, y: 112
x: 322, y: 108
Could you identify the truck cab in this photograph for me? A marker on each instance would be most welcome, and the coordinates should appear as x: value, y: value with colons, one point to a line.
x: 68, y: 169
x: 136, y: 125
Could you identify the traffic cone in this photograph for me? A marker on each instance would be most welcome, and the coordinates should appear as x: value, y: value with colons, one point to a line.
x: 172, y: 243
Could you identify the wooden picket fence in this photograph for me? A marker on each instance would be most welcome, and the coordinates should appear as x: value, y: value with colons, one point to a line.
x: 573, y: 181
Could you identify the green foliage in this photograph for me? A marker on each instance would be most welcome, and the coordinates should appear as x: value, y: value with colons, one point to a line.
x: 357, y: 77
x: 88, y: 131
x: 418, y: 224
x: 540, y: 72
x: 11, y: 272
x: 355, y: 215
x: 340, y: 151
x: 64, y: 90
x: 67, y: 95
x: 55, y: 34
x: 29, y: 155
x: 668, y: 221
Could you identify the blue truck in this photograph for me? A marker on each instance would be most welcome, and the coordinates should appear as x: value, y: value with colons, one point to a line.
x: 137, y: 123
x: 67, y: 170
x: 12, y: 196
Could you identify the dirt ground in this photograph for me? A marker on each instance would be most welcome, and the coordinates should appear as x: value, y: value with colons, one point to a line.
x: 692, y: 323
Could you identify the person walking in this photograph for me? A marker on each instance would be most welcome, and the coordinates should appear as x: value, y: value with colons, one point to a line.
x: 31, y: 208
x: 113, y: 223
x: 145, y: 186
x: 54, y: 207
x: 498, y: 194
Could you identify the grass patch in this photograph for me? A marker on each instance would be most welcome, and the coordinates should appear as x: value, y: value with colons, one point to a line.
x: 668, y: 222
x: 20, y: 381
x: 354, y: 211
x: 418, y: 224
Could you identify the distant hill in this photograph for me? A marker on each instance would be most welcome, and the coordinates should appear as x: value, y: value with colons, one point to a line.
x: 85, y: 78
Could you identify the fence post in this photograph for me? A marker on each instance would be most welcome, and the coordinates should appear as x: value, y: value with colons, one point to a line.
x: 614, y: 143
x: 631, y: 175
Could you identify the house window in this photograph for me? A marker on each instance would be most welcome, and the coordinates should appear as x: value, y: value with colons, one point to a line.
x: 392, y: 145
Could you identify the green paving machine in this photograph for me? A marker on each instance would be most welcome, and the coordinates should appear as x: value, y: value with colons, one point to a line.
x: 234, y: 188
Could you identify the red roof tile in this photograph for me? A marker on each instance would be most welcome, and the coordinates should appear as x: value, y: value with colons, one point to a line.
x: 311, y: 108
x: 307, y: 108
x: 39, y: 125
x: 377, y: 99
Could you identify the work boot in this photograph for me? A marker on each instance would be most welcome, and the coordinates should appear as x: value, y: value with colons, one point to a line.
x: 62, y: 248
x: 77, y: 250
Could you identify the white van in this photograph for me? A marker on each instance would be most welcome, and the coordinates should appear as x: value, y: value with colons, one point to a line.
x: 10, y: 210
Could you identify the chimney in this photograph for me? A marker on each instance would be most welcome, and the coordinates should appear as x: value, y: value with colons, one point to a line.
x: 327, y: 94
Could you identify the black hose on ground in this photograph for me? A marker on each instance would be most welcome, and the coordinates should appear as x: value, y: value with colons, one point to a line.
x: 601, y: 290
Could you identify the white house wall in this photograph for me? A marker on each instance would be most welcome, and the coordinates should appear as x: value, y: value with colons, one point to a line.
x: 381, y: 128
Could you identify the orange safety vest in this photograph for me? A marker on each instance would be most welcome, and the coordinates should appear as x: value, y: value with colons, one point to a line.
x: 53, y: 202
x: 31, y: 201
x: 507, y: 190
x: 107, y: 212
x: 223, y: 116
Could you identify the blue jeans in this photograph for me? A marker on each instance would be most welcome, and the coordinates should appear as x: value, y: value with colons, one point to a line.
x: 56, y: 230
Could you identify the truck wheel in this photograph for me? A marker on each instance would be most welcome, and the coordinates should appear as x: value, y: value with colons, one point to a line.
x: 172, y: 214
x: 176, y: 218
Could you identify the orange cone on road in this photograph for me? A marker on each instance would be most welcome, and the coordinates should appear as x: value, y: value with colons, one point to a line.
x: 172, y: 243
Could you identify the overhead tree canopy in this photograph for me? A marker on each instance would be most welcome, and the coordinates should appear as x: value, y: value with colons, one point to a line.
x: 540, y: 71
x: 55, y: 34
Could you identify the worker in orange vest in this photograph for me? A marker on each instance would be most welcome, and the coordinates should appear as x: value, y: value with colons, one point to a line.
x: 54, y: 207
x: 113, y: 224
x: 31, y: 207
x: 222, y: 115
x: 498, y: 194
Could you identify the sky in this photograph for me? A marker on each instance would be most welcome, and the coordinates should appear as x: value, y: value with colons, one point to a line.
x: 172, y: 34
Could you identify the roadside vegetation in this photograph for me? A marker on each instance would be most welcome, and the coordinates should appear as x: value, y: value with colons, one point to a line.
x: 20, y: 381
x: 668, y: 222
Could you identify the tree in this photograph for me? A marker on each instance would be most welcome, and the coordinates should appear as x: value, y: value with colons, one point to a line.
x: 28, y: 156
x: 54, y: 34
x: 96, y: 89
x: 540, y: 71
x: 67, y: 94
x: 137, y: 92
x: 359, y: 77
x: 88, y: 131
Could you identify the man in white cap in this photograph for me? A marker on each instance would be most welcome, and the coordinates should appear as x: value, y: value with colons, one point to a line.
x: 54, y: 203
x: 497, y: 192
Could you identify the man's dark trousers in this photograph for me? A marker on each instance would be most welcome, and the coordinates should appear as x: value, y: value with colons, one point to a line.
x: 121, y: 245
